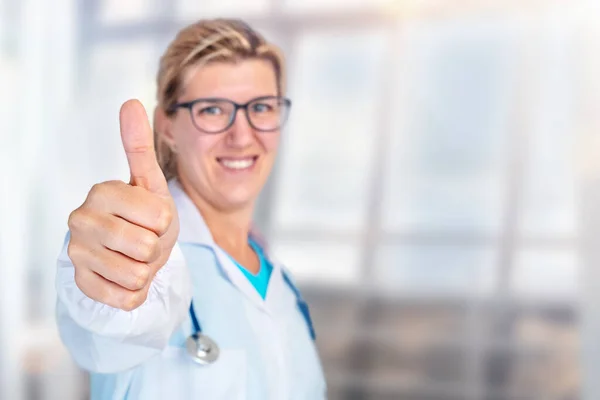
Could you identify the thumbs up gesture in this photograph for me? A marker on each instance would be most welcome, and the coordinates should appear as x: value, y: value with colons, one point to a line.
x: 124, y: 233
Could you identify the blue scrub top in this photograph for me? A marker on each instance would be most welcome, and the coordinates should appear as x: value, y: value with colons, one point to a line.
x: 260, y: 281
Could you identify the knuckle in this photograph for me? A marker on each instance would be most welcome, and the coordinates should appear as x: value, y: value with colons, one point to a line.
x: 97, y: 190
x: 141, y: 276
x: 78, y: 254
x: 71, y: 221
x: 131, y: 301
x: 75, y: 221
x: 80, y: 220
x: 100, y: 193
x: 148, y: 245
x: 164, y: 218
x: 114, y: 184
x: 72, y: 250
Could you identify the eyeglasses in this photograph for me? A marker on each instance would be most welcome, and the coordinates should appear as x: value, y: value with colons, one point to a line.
x: 216, y: 115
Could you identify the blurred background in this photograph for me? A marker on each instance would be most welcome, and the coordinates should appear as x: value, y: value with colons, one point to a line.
x: 435, y: 194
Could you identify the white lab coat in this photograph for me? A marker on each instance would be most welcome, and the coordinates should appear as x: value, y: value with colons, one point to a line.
x: 266, y: 349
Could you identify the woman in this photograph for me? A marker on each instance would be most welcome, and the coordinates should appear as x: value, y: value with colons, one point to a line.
x: 148, y: 264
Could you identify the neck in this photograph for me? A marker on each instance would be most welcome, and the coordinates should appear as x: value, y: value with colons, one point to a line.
x: 229, y: 228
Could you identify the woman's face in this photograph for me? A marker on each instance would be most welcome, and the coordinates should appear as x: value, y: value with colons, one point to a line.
x: 226, y: 169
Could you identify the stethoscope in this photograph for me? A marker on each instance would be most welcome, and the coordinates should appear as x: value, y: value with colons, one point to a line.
x: 204, y: 350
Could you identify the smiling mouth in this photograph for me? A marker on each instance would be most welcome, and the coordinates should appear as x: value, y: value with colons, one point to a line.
x: 237, y: 164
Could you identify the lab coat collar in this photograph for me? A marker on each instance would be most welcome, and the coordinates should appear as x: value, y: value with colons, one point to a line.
x: 193, y: 230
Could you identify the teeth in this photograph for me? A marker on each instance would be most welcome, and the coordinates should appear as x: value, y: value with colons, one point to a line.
x: 238, y: 164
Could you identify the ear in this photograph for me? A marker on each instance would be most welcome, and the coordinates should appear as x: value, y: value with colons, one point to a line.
x: 162, y: 125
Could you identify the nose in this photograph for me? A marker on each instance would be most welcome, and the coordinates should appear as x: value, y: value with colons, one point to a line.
x: 241, y: 133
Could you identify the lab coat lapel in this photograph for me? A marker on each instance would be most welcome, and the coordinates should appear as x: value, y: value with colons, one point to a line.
x: 193, y: 229
x: 277, y: 286
x: 237, y: 278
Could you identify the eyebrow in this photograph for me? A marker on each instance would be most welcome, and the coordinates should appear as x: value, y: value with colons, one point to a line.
x: 220, y: 98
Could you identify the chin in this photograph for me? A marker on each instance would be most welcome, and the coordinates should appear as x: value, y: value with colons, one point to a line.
x: 236, y: 201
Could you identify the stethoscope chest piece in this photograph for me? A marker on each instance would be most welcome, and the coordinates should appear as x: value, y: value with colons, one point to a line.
x: 202, y: 349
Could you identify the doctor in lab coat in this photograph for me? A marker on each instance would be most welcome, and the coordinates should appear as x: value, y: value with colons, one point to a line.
x: 138, y: 254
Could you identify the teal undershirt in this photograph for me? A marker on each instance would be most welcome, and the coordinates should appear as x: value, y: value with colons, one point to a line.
x: 260, y: 281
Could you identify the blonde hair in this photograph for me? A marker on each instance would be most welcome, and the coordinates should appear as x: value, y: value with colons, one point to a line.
x: 207, y: 41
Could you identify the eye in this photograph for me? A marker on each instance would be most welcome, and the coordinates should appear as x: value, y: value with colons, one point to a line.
x: 210, y: 110
x: 262, y: 107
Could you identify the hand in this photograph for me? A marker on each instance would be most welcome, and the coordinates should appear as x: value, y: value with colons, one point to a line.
x: 124, y: 233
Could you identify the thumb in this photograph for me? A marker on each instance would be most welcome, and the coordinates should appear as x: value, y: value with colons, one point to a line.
x: 138, y: 142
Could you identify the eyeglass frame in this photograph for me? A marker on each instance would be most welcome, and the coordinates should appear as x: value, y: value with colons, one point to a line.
x: 189, y: 105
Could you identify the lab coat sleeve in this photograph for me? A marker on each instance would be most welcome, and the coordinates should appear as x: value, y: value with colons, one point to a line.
x: 104, y: 339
